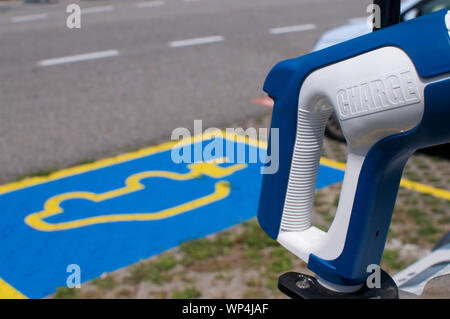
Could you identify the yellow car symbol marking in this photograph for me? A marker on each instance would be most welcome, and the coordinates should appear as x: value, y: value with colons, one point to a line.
x: 133, y: 183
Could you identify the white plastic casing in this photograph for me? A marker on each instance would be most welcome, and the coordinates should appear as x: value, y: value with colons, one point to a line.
x: 375, y: 95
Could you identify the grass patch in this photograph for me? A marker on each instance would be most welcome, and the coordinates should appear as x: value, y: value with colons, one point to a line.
x: 444, y: 220
x: 156, y: 271
x: 254, y: 258
x: 329, y: 219
x: 418, y: 215
x: 438, y: 211
x: 428, y: 230
x: 203, y: 249
x: 281, y: 261
x: 336, y: 200
x: 254, y: 294
x: 411, y: 201
x: 123, y: 293
x: 106, y: 283
x: 254, y: 237
x: 187, y: 278
x: 223, y: 276
x: 91, y: 294
x: 39, y: 173
x: 186, y: 293
x: 435, y: 159
x: 433, y: 179
x: 158, y: 295
x: 422, y: 165
x: 86, y: 161
x: 412, y: 176
x: 431, y: 201
x: 391, y: 260
x: 254, y: 283
x: 271, y: 281
x: 67, y: 293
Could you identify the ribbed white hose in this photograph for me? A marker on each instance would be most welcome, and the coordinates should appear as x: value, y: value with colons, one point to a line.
x: 303, y: 175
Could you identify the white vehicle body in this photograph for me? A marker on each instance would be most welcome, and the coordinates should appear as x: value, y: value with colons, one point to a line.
x: 359, y: 27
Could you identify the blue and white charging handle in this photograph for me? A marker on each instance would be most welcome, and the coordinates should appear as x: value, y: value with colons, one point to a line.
x: 391, y: 92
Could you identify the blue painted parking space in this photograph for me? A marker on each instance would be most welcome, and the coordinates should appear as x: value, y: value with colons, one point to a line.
x: 107, y: 215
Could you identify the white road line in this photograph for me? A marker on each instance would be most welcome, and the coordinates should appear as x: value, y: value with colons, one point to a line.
x: 97, y: 9
x: 149, y: 4
x: 196, y: 41
x: 27, y: 18
x: 292, y: 28
x: 80, y: 57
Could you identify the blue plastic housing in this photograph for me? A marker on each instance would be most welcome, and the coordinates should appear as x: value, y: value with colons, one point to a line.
x: 426, y: 41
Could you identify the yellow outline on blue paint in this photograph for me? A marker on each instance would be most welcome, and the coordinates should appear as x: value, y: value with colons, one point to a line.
x: 32, y: 181
x: 133, y: 183
x: 9, y: 292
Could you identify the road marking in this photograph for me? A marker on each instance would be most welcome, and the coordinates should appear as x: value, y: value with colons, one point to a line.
x: 196, y: 41
x: 9, y: 292
x: 292, y: 28
x: 80, y: 57
x: 97, y: 9
x: 27, y: 18
x: 149, y: 4
x: 136, y: 206
x: 405, y: 183
x: 133, y: 184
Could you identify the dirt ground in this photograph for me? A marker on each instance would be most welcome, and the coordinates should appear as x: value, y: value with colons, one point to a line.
x: 243, y: 262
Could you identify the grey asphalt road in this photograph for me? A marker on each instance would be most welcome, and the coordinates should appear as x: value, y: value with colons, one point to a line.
x: 59, y: 115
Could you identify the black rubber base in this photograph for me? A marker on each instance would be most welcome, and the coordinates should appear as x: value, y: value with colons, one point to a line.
x: 300, y: 286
